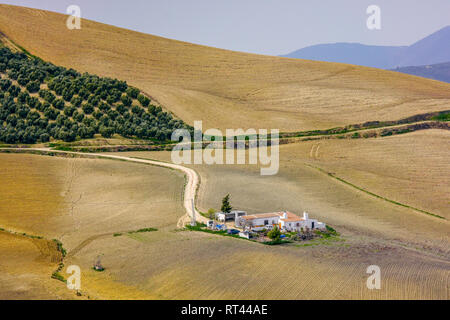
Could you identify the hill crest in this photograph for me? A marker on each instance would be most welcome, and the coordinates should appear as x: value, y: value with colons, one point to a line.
x: 225, y: 89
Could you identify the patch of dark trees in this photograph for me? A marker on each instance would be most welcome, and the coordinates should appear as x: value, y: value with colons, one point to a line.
x: 40, y: 101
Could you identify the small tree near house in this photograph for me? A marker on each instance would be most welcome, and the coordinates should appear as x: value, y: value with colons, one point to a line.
x: 226, y: 207
x: 274, y: 234
x: 212, y: 214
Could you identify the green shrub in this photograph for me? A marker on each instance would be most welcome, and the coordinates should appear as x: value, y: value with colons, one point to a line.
x: 76, y: 101
x: 23, y: 81
x: 88, y: 108
x: 68, y: 111
x: 33, y: 86
x: 106, y: 132
x: 274, y: 234
x: 126, y: 100
x: 442, y: 117
x: 45, y: 137
x: 58, y: 104
x: 143, y: 100
x: 14, y: 90
x: 58, y: 276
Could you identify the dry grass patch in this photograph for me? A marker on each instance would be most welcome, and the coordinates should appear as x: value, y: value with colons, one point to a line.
x: 411, y: 168
x: 193, y: 265
x: 33, y: 193
x: 25, y: 269
x: 77, y: 201
x: 410, y: 247
x: 298, y: 187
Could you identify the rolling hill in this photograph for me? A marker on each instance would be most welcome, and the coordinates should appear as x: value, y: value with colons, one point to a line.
x: 440, y: 71
x: 430, y: 50
x: 225, y: 89
x: 386, y: 196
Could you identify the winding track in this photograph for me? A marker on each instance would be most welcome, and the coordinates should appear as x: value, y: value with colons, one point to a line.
x: 189, y: 191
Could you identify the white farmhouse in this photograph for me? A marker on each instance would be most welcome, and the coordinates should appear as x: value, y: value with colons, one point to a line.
x: 258, y: 222
x: 286, y: 221
x: 292, y: 222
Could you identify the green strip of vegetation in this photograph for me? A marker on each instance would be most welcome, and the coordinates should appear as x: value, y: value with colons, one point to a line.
x: 275, y: 242
x: 60, y: 247
x: 63, y: 148
x: 202, y: 228
x: 57, y: 273
x: 375, y: 195
x: 143, y: 230
x: 21, y: 234
x: 442, y: 117
x: 437, y: 116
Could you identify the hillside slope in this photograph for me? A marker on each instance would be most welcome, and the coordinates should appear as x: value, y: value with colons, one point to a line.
x: 225, y: 89
x: 39, y: 101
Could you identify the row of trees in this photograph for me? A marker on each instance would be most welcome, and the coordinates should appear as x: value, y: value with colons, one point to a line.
x: 72, y: 105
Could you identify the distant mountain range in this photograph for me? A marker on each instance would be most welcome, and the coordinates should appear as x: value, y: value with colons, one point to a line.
x: 439, y: 71
x: 433, y: 49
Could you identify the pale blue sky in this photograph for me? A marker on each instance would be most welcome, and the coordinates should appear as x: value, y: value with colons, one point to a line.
x: 264, y: 26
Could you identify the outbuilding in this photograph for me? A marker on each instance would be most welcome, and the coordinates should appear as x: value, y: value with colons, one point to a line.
x: 229, y: 216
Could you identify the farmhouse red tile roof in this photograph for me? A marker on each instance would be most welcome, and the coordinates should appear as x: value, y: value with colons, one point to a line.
x: 261, y: 216
x: 293, y: 219
x: 290, y: 216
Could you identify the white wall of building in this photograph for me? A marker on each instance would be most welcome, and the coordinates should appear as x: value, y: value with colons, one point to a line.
x: 262, y: 223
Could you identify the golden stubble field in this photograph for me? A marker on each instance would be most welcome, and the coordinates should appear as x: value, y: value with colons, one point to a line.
x: 83, y: 202
x: 412, y: 169
x: 411, y: 247
x: 78, y: 201
x: 190, y: 265
x: 25, y: 269
x: 222, y: 88
x: 170, y: 264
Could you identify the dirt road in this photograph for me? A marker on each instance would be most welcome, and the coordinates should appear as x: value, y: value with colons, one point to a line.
x: 190, y: 190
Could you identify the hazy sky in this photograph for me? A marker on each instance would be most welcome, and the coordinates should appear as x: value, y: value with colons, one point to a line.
x: 264, y: 26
